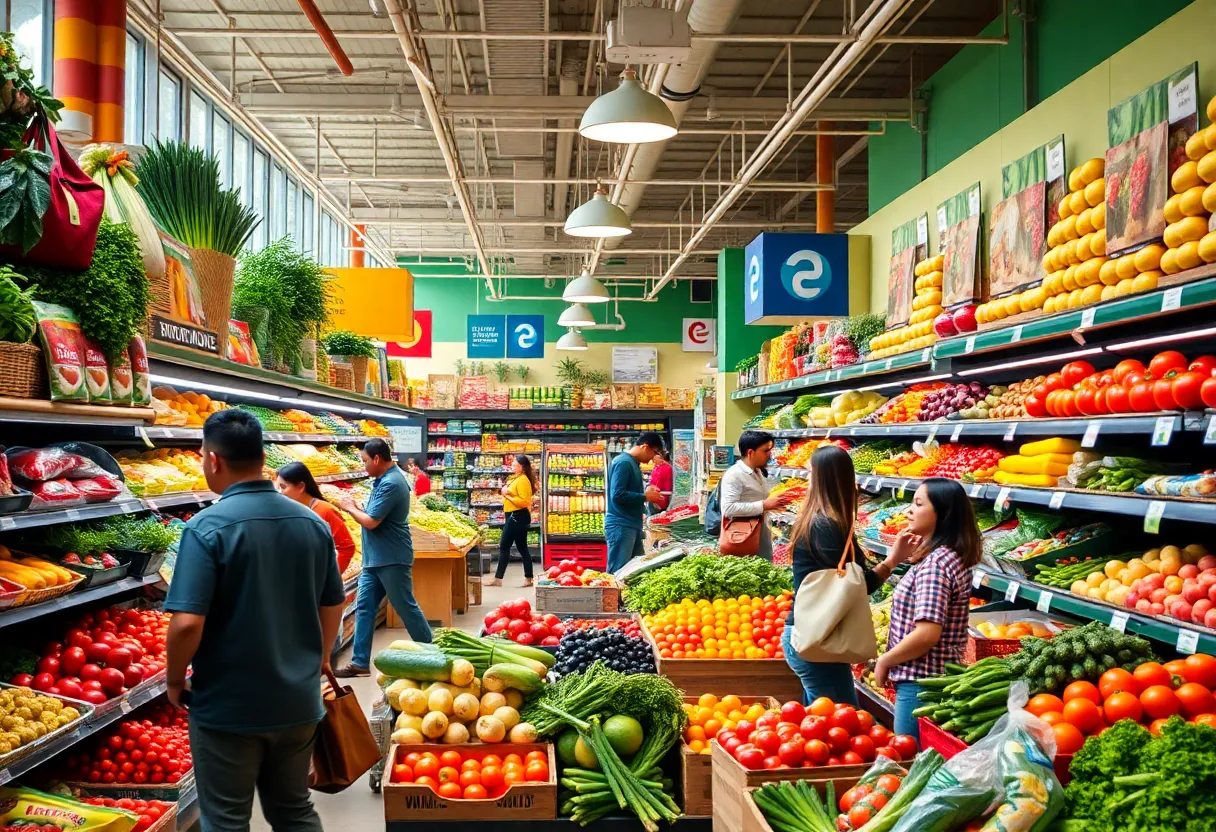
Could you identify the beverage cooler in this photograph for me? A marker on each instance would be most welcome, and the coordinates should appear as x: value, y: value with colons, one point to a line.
x: 574, y: 499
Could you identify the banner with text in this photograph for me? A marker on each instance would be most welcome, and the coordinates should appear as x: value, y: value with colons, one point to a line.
x: 487, y: 336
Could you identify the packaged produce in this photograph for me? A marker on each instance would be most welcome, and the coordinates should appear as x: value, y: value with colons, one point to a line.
x: 122, y: 379
x: 26, y: 809
x: 39, y: 464
x: 55, y: 494
x: 97, y: 373
x: 149, y: 811
x: 100, y: 489
x: 63, y: 350
x: 871, y: 794
x: 1195, y: 486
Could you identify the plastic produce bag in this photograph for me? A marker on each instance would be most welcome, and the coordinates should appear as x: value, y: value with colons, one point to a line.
x: 42, y: 464
x: 872, y: 792
x: 55, y: 494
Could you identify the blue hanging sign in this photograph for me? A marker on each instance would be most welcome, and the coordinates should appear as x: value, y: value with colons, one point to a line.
x: 793, y: 277
x: 525, y: 336
x: 487, y: 336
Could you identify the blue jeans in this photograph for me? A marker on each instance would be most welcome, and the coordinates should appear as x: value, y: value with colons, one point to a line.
x: 397, y: 581
x: 624, y: 544
x: 831, y: 679
x: 907, y: 700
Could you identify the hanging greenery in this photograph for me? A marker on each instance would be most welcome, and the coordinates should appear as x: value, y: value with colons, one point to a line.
x: 523, y: 372
x: 17, y: 318
x: 289, y: 285
x: 344, y: 342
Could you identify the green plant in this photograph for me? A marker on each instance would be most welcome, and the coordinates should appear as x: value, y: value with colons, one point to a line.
x: 344, y: 342
x: 111, y: 297
x: 501, y: 371
x: 570, y: 371
x: 477, y: 368
x: 17, y: 319
x: 292, y: 287
x: 596, y: 378
x: 523, y: 372
x: 460, y: 366
x: 181, y: 187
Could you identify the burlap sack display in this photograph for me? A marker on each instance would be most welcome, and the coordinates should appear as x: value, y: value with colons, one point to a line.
x: 215, y: 274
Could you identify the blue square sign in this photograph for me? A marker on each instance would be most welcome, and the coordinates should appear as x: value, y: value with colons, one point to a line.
x: 525, y: 336
x: 487, y: 336
x: 793, y: 277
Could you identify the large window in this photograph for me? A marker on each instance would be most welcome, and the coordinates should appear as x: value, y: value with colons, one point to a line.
x: 278, y: 203
x: 261, y: 235
x: 241, y: 165
x: 221, y: 147
x: 200, y: 116
x: 27, y: 20
x: 133, y: 107
x: 170, y: 97
x: 293, y: 211
x: 308, y: 242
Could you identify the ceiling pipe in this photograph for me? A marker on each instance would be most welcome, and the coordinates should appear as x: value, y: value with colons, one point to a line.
x: 564, y: 152
x: 816, y: 90
x: 327, y: 36
x: 430, y: 222
x: 446, y: 144
x: 553, y: 180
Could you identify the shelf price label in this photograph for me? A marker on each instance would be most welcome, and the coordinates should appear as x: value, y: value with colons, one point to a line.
x: 1016, y: 335
x: 1011, y: 431
x: 1209, y: 436
x: 932, y: 433
x: 925, y: 353
x: 887, y: 364
x: 977, y: 578
x: 1044, y: 603
x: 1091, y: 434
x: 969, y: 345
x: 977, y: 489
x: 5, y: 776
x: 1171, y: 299
x: 1087, y: 318
x: 1188, y: 641
x: 7, y: 523
x: 72, y: 514
x: 903, y: 488
x: 956, y: 433
x: 1118, y: 621
x: 1057, y: 500
x: 1152, y: 516
x: 125, y: 705
x: 1002, y: 498
x: 1163, y: 429
x: 1011, y: 592
x: 143, y: 435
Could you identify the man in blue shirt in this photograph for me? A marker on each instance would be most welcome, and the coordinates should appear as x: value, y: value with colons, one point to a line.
x: 257, y: 601
x: 388, y: 556
x: 626, y: 499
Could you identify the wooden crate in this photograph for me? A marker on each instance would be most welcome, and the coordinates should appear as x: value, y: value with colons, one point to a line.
x: 577, y: 599
x: 696, y: 770
x: 751, y: 677
x: 755, y: 821
x: 731, y: 780
x: 524, y: 801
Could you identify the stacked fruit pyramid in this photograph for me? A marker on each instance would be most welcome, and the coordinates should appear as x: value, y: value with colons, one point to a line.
x: 926, y: 305
x: 1188, y: 212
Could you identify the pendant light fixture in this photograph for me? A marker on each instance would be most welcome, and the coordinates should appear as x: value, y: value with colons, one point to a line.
x: 598, y: 218
x: 585, y: 289
x: 576, y: 315
x: 572, y: 340
x: 630, y: 114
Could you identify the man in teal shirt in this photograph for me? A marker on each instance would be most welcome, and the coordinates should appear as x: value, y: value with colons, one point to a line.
x: 626, y: 498
x: 257, y: 601
x: 388, y: 556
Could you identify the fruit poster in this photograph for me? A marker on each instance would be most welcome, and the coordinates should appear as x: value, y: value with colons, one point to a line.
x: 1031, y: 187
x: 1147, y: 135
x: 909, y: 245
x: 958, y: 230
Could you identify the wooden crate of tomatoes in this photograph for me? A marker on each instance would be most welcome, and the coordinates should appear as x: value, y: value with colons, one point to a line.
x: 472, y: 781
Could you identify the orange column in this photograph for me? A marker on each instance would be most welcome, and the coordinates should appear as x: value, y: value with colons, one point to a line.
x: 356, y: 247
x: 111, y: 19
x: 825, y: 174
x: 76, y: 66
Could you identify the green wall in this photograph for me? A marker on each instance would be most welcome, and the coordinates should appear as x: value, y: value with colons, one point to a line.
x: 736, y: 340
x: 980, y: 90
x: 452, y: 300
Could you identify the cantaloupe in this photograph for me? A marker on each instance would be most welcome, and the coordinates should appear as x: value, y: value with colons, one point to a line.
x: 1196, y: 145
x: 1092, y: 170
x: 1169, y: 261
x: 1098, y: 217
x: 1206, y: 167
x: 1187, y: 176
x: 1187, y: 228
x: 1108, y: 272
x: 1126, y: 267
x: 1207, y: 247
x: 1187, y: 256
x: 1173, y: 208
x: 1095, y: 192
x: 1148, y: 258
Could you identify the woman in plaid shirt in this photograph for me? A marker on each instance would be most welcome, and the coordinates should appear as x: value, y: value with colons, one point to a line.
x: 930, y: 605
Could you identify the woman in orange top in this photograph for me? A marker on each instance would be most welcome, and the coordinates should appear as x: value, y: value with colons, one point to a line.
x: 294, y: 480
x: 517, y: 506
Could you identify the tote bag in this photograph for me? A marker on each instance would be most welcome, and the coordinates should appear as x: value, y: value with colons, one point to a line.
x: 346, y: 748
x: 832, y: 614
x: 740, y: 535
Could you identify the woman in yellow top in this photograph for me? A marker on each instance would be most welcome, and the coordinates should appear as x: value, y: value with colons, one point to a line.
x: 517, y: 506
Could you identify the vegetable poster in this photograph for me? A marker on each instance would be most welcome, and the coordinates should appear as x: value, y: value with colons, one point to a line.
x: 1031, y: 187
x: 907, y: 247
x: 958, y: 230
x: 1147, y: 135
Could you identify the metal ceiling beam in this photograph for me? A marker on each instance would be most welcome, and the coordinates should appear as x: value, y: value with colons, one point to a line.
x: 553, y: 180
x: 440, y: 222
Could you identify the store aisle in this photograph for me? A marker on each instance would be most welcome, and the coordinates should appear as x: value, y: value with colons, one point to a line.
x: 359, y: 807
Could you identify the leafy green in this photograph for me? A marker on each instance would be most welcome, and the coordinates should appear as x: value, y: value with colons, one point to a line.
x: 111, y: 297
x: 292, y: 287
x: 344, y: 342
x: 14, y: 660
x: 146, y: 534
x: 652, y: 700
x: 17, y: 319
x: 708, y: 577
x: 83, y: 539
x: 860, y: 329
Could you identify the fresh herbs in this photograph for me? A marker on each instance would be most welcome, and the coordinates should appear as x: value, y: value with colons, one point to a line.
x: 17, y: 318
x: 598, y: 690
x: 292, y: 287
x: 145, y: 534
x: 181, y: 187
x: 344, y: 342
x: 81, y: 538
x: 111, y: 297
x: 708, y: 577
x: 746, y: 364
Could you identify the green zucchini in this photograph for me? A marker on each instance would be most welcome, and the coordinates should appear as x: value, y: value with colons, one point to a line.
x: 420, y: 665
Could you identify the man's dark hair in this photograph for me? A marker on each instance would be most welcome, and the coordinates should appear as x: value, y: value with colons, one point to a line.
x: 413, y: 463
x: 750, y: 440
x: 378, y: 449
x: 650, y: 438
x: 235, y: 436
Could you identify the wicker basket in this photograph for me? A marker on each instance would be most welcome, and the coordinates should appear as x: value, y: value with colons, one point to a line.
x: 343, y: 376
x: 215, y: 272
x: 22, y: 374
x: 358, y: 364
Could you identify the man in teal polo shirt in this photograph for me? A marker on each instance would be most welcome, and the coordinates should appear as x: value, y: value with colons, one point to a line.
x: 257, y: 601
x: 388, y: 556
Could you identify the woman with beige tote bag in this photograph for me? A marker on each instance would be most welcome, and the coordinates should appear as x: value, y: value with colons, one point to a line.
x: 829, y: 626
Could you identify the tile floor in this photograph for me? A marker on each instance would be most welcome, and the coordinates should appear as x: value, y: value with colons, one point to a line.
x: 359, y: 808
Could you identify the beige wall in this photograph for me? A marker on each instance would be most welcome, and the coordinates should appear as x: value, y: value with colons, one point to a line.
x: 1078, y: 111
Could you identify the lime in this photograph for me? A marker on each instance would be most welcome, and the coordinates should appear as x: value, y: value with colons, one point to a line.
x: 565, y: 747
x: 584, y: 756
x: 624, y: 734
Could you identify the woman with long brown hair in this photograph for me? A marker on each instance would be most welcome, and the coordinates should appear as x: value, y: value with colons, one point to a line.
x: 517, y: 506
x: 820, y: 535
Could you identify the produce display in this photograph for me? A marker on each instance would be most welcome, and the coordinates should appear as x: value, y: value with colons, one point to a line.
x: 923, y: 327
x: 149, y: 811
x: 733, y: 628
x: 470, y: 774
x: 147, y: 751
x: 517, y: 621
x: 570, y: 573
x: 710, y: 715
x: 568, y: 511
x: 618, y: 648
x: 1165, y: 581
x: 26, y: 715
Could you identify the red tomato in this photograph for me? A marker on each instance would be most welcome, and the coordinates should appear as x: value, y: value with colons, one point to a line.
x: 1117, y: 399
x: 751, y: 759
x: 880, y: 735
x: 769, y: 721
x: 773, y: 762
x: 792, y: 754
x: 816, y: 752
x: 1068, y: 403
x: 1125, y: 368
x: 866, y: 719
x: 838, y: 739
x: 851, y: 758
x: 860, y: 815
x: 1159, y: 702
x: 1152, y: 673
x: 862, y: 746
x: 767, y: 741
x: 845, y: 717
x: 1140, y: 396
x: 1074, y: 372
x: 1208, y: 392
x: 1195, y: 699
x: 853, y: 795
x: 1055, y: 381
x: 886, y: 751
x: 1163, y: 392
x: 793, y: 712
x: 1100, y: 399
x: 1086, y: 401
x: 1205, y: 364
x: 1187, y: 389
x: 1035, y: 406
x: 814, y: 728
x: 1165, y: 361
x: 1201, y: 669
x: 906, y: 745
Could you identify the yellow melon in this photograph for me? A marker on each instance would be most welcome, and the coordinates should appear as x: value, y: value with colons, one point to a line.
x: 1188, y: 228
x: 1092, y: 170
x: 1069, y: 280
x: 1084, y: 225
x: 1109, y: 292
x: 1091, y: 294
x: 1192, y: 202
x: 1097, y: 242
x: 1107, y: 273
x: 939, y: 263
x: 1146, y: 281
x: 1169, y: 261
x: 1126, y: 267
x: 1207, y: 247
x: 1187, y: 256
x: 1074, y: 298
x: 1209, y: 195
x: 1187, y: 176
x: 1078, y: 201
x: 1049, y: 306
x: 1124, y: 287
x: 1196, y: 145
x: 1206, y: 167
x: 1074, y: 179
x: 1082, y: 248
x: 1173, y: 208
x: 1098, y: 217
x: 1095, y: 192
x: 1148, y: 258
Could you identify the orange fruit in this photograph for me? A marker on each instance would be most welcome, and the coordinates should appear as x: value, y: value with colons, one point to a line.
x: 491, y: 777
x: 475, y: 791
x: 491, y: 760
x: 450, y: 758
x: 1041, y: 703
x: 450, y: 790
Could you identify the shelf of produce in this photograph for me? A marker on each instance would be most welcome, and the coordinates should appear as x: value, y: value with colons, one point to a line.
x: 608, y: 824
x: 10, y: 617
x: 575, y: 538
x: 454, y: 435
x: 178, y: 434
x: 139, y: 695
x: 33, y: 519
x: 36, y: 410
x: 875, y: 702
x: 456, y: 451
x: 1187, y: 638
x: 344, y: 476
x: 1009, y: 429
x: 559, y: 492
x: 904, y: 361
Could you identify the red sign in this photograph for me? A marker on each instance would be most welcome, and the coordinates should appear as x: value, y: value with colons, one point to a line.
x: 420, y: 347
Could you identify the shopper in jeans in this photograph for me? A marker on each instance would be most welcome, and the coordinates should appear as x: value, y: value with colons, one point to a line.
x: 745, y: 486
x: 388, y: 556
x: 825, y: 521
x: 626, y: 499
x: 517, y: 507
x: 257, y: 601
x: 930, y: 606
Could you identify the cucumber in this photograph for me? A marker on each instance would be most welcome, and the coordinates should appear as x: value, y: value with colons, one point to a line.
x: 529, y: 652
x: 420, y: 665
x: 500, y: 677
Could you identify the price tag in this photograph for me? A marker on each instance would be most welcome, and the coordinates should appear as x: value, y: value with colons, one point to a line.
x: 72, y: 514
x: 1016, y: 335
x: 1188, y: 642
x: 5, y: 776
x: 1171, y: 299
x: 1152, y: 516
x: 977, y: 490
x: 973, y: 201
x: 925, y: 353
x: 901, y: 491
x: 956, y: 433
x: 1044, y: 603
x: 1002, y: 498
x: 977, y: 578
x: 1163, y: 430
x: 828, y: 435
x: 1209, y: 436
x: 1011, y: 431
x: 1011, y: 592
x: 941, y: 219
x: 932, y: 433
x: 1182, y: 101
x: 7, y: 523
x: 1055, y: 161
x: 922, y: 230
x: 125, y: 705
x: 887, y: 364
x: 143, y: 435
x: 1057, y: 500
x: 1091, y: 434
x: 1087, y: 318
x: 1118, y: 621
x: 131, y: 508
x: 969, y: 345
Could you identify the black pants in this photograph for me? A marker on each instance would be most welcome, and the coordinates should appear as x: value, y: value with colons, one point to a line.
x: 515, y: 531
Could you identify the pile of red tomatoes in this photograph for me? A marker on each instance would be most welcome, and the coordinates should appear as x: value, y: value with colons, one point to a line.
x: 1169, y: 382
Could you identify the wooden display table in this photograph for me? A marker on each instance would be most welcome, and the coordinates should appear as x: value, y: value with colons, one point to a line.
x: 441, y: 585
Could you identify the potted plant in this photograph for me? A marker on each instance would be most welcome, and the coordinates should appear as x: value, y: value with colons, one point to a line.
x: 356, y: 349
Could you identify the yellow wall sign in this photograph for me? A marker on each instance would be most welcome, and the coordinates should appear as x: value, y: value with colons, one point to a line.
x: 376, y: 303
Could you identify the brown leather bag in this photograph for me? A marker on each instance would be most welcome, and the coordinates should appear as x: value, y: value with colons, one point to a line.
x: 740, y: 535
x: 345, y: 749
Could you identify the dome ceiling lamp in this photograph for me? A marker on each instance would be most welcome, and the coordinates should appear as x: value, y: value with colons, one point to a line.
x: 585, y: 289
x: 630, y: 114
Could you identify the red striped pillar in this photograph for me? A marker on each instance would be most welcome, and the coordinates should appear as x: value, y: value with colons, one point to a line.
x: 357, y: 256
x: 76, y: 66
x: 111, y: 20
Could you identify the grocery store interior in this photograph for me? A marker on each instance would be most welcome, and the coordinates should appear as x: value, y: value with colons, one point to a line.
x: 751, y: 417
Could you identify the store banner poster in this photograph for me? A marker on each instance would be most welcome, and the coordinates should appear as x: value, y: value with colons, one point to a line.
x: 699, y: 335
x: 635, y: 365
x: 185, y: 324
x: 487, y: 336
x: 420, y: 345
x: 375, y: 303
x: 792, y: 277
x: 525, y: 336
